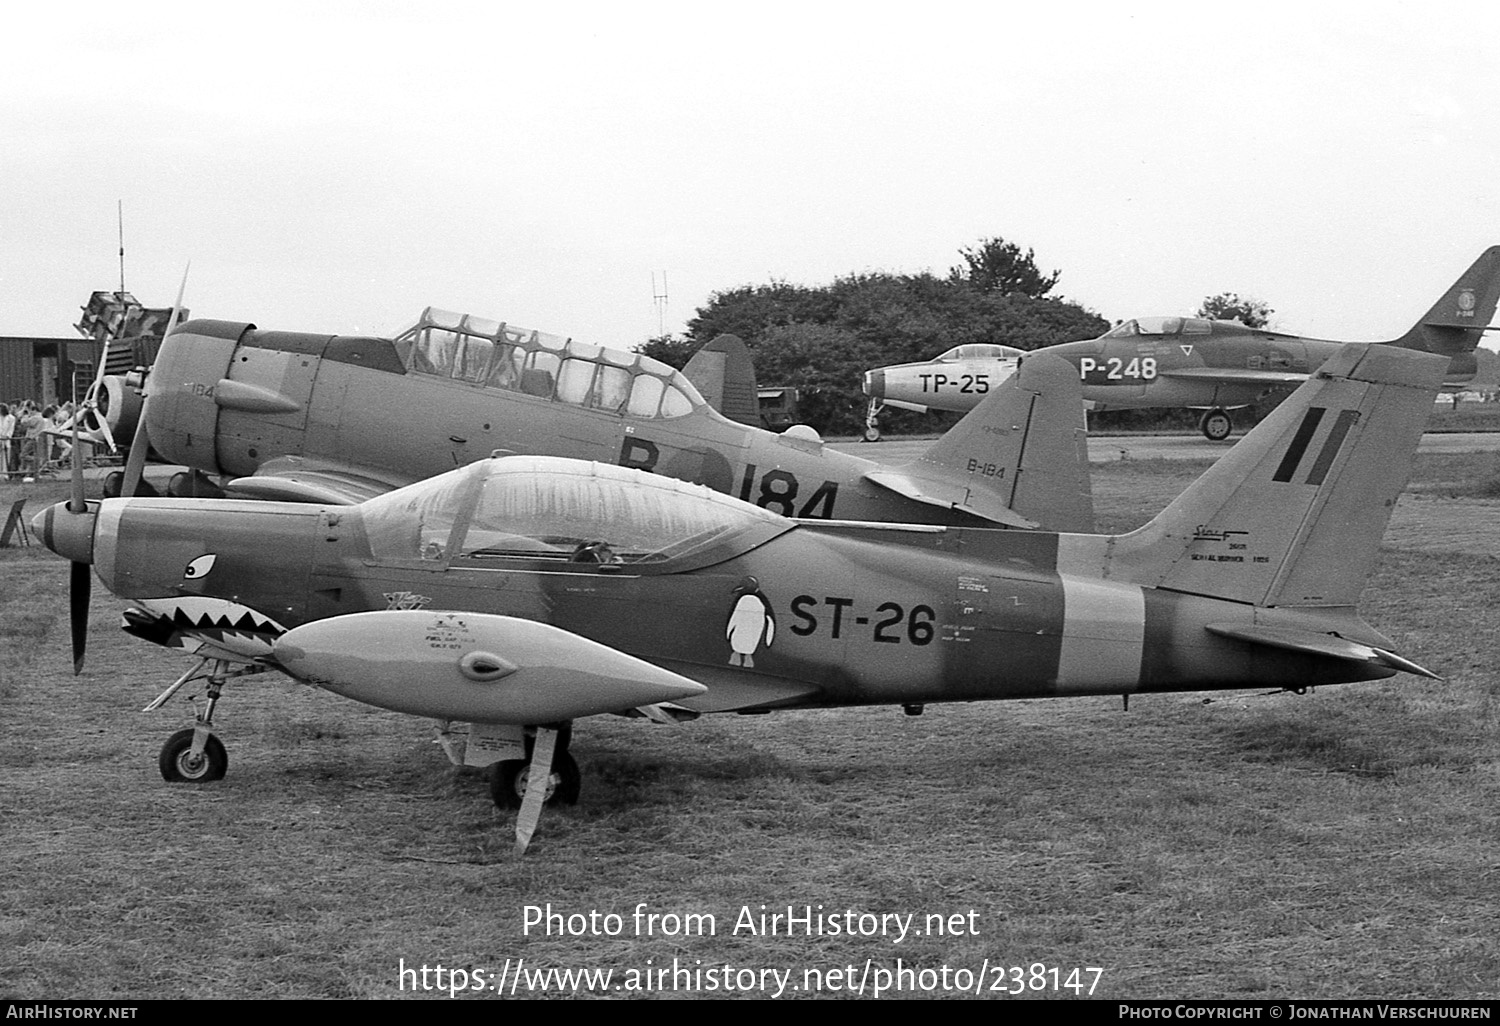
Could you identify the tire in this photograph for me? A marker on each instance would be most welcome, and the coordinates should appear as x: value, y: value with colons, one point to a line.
x: 872, y: 433
x: 509, y: 777
x: 1216, y: 425
x: 114, y: 481
x: 177, y: 765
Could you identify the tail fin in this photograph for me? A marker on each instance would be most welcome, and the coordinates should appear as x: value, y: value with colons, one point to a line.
x: 1020, y: 457
x: 1292, y: 515
x: 1455, y: 323
x: 725, y: 374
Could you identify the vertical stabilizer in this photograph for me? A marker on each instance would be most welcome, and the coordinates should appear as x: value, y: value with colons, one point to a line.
x: 723, y: 372
x: 1020, y: 457
x: 1455, y: 323
x: 1292, y: 515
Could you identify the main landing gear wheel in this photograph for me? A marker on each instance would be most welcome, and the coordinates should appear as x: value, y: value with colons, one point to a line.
x: 178, y: 765
x: 1216, y: 425
x: 511, y: 777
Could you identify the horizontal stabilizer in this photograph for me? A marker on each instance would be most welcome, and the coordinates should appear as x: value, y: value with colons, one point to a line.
x: 294, y: 479
x: 476, y: 667
x: 950, y: 495
x: 1313, y: 643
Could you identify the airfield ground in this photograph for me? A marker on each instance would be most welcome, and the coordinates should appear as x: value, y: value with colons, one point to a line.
x: 1339, y: 844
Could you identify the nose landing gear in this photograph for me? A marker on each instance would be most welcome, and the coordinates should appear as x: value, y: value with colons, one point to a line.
x: 194, y: 755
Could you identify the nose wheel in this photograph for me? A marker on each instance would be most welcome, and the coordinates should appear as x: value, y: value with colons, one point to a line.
x: 179, y: 764
x: 872, y: 420
x: 194, y: 755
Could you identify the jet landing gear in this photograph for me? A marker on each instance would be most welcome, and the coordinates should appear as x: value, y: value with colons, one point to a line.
x: 1216, y: 425
x: 194, y: 755
x: 872, y: 421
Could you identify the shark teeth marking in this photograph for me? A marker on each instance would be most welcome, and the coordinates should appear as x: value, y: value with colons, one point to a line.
x: 174, y: 621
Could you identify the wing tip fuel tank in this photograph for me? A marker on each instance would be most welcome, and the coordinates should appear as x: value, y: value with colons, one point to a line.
x: 478, y: 667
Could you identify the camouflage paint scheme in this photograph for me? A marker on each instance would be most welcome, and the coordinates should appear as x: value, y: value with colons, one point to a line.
x: 337, y: 419
x: 1201, y: 364
x: 1250, y: 578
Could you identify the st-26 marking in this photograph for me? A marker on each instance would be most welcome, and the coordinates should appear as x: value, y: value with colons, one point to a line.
x: 892, y: 625
x: 565, y: 589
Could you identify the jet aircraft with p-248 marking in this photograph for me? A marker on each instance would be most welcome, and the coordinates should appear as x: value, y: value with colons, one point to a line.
x: 1214, y: 366
x: 319, y: 418
x: 511, y: 597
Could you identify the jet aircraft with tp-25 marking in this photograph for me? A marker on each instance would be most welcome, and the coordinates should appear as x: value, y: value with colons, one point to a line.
x: 319, y: 418
x: 1214, y: 366
x: 969, y: 371
x: 511, y: 597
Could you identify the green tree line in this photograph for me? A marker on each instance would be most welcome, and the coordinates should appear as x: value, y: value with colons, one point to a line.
x: 821, y: 339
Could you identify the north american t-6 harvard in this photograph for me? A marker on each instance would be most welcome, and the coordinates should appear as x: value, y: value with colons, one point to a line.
x: 1193, y: 362
x: 509, y: 598
x: 338, y: 418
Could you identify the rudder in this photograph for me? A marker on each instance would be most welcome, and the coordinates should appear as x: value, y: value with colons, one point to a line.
x: 1023, y: 449
x: 1457, y: 321
x: 724, y: 373
x: 1293, y: 515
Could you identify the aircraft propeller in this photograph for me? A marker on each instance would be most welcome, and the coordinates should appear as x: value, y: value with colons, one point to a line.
x: 68, y: 528
x: 90, y: 406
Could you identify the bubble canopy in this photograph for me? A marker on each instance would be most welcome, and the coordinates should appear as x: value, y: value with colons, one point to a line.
x: 1161, y: 326
x: 563, y: 511
x: 979, y: 351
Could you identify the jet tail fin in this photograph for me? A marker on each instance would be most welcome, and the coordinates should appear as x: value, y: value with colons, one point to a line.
x: 1020, y: 457
x: 725, y: 375
x: 1292, y: 515
x: 1456, y: 322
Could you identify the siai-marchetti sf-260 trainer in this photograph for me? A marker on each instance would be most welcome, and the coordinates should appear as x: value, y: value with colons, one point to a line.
x: 508, y: 598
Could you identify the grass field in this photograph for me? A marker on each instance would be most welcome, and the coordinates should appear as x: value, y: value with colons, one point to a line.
x: 1339, y: 844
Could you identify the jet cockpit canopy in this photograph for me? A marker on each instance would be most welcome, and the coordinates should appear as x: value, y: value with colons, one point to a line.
x: 1161, y: 326
x: 980, y: 351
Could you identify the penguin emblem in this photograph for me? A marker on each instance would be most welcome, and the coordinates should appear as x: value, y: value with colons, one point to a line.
x: 751, y: 623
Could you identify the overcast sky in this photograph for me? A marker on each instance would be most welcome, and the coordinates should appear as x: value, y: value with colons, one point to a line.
x: 337, y: 167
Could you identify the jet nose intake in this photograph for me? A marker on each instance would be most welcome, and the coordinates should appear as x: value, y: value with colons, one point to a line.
x: 875, y: 384
x: 69, y: 534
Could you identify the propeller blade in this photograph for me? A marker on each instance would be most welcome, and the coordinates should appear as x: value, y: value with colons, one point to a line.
x: 76, y: 503
x: 135, y: 464
x: 91, y: 397
x: 79, y: 585
x: 101, y: 424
